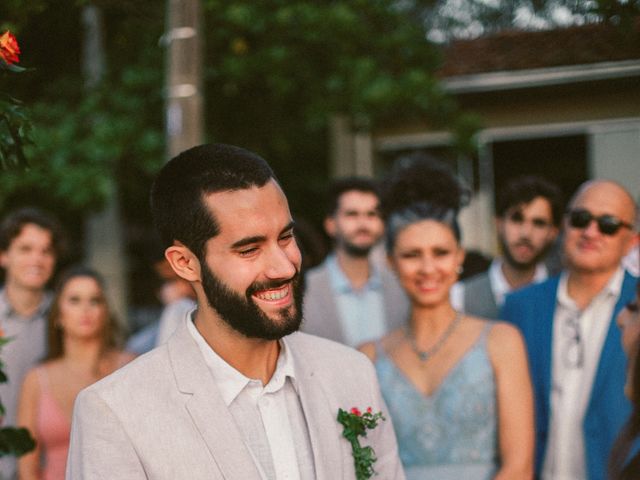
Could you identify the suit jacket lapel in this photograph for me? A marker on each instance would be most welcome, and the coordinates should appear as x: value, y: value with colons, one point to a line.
x: 322, y: 423
x: 332, y: 315
x: 611, y: 350
x: 210, y: 415
x: 545, y: 341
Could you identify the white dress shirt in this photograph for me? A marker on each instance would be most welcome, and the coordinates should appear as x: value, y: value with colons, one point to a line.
x: 269, y: 416
x: 574, y: 366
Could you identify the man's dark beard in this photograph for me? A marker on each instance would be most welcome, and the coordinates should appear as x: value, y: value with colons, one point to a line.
x: 243, y: 315
x: 523, y: 265
x: 355, y: 250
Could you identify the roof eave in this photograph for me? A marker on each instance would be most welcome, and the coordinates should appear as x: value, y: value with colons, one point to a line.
x: 541, y: 77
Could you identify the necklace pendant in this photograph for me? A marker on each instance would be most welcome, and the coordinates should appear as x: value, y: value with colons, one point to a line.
x: 425, y: 355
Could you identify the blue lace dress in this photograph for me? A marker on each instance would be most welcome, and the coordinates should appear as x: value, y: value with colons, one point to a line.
x: 452, y: 433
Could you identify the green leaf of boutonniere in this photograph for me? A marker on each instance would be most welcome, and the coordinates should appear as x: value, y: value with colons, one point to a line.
x: 355, y: 425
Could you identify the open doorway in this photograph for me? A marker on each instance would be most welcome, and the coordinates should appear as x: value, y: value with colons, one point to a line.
x: 561, y: 160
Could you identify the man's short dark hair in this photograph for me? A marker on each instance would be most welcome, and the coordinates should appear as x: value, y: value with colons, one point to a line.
x: 523, y: 189
x: 348, y: 184
x: 14, y: 222
x: 177, y: 195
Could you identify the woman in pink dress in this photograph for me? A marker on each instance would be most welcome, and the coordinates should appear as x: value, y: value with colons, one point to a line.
x: 82, y: 350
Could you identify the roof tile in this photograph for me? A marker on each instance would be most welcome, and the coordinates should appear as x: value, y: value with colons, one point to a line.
x: 523, y: 50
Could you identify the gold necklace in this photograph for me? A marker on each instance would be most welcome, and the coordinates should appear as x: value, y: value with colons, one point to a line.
x: 425, y: 355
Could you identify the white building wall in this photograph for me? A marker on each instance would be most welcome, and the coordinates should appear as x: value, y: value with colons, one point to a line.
x: 614, y: 153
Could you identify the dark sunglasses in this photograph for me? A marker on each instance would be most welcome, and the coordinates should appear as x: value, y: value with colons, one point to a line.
x: 607, y: 224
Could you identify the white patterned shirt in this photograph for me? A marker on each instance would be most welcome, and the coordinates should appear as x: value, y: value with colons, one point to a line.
x: 572, y: 380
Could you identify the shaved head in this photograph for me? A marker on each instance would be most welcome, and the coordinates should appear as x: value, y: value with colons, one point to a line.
x: 587, y: 248
x: 610, y: 189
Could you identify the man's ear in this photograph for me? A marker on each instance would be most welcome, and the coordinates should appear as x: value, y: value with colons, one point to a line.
x: 183, y: 262
x: 330, y: 226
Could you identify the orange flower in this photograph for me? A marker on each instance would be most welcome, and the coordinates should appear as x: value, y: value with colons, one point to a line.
x: 9, y: 49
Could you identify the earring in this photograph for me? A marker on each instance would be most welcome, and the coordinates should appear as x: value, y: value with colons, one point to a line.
x: 459, y: 270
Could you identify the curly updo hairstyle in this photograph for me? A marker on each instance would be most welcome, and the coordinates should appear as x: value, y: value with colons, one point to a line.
x: 421, y: 187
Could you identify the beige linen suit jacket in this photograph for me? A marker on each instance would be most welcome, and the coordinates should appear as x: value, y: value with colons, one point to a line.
x: 162, y: 417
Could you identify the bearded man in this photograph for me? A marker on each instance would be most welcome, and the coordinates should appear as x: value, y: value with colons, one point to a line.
x: 235, y: 393
x: 528, y: 215
x: 352, y: 298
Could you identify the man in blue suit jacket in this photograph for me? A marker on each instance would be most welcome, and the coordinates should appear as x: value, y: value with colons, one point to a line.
x: 576, y: 360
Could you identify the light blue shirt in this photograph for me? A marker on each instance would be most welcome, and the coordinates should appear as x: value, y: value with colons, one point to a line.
x: 361, y: 311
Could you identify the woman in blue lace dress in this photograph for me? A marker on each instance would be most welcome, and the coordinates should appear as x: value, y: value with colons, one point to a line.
x: 457, y: 387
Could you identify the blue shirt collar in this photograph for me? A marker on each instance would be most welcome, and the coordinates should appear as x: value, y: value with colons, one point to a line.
x: 339, y: 281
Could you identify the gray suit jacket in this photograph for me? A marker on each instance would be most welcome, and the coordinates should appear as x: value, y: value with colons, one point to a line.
x: 478, y: 297
x: 321, y: 315
x: 163, y: 417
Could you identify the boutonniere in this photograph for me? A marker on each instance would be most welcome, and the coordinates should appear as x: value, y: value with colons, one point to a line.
x: 355, y: 425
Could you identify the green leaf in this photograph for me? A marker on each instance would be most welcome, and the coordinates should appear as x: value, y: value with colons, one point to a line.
x: 15, y: 441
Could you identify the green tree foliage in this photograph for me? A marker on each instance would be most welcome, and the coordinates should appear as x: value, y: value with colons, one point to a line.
x: 14, y: 124
x: 14, y: 132
x: 82, y: 139
x: 278, y: 69
x: 275, y: 71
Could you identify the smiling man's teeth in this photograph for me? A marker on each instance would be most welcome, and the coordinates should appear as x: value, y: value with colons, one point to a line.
x: 273, y: 294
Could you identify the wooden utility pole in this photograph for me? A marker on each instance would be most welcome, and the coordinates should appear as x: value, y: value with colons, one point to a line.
x: 351, y: 153
x: 183, y: 39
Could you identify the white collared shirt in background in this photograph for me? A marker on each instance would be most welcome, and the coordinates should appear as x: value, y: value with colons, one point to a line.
x: 631, y: 262
x: 499, y: 284
x: 270, y: 417
x: 571, y: 387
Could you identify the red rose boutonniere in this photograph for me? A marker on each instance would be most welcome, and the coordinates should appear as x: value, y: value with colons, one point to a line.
x: 355, y: 425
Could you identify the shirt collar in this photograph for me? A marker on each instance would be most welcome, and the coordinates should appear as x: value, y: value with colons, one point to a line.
x: 229, y: 380
x: 611, y: 289
x: 499, y: 283
x: 6, y: 309
x: 340, y: 283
